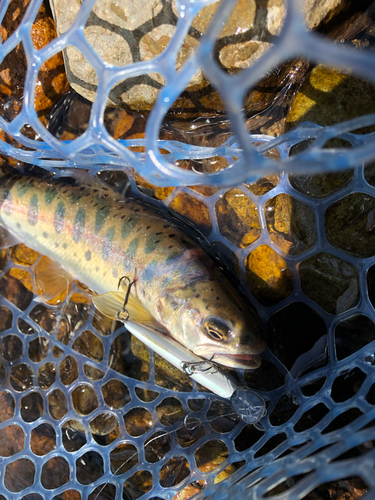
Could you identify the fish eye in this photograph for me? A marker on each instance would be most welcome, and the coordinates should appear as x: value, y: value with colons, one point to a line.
x: 216, y: 328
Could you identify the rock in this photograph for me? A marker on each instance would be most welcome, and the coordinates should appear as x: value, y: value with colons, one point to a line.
x: 51, y: 83
x: 138, y: 31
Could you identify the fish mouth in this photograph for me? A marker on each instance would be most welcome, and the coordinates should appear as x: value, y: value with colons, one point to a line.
x: 245, y: 361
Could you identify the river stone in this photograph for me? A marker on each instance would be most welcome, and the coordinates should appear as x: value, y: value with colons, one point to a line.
x: 139, y: 30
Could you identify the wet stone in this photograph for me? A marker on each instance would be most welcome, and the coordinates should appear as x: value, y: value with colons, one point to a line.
x: 349, y: 224
x: 169, y: 411
x: 115, y: 394
x: 57, y: 404
x: 330, y: 282
x: 25, y: 328
x: 23, y: 255
x: 170, y: 377
x: 319, y: 186
x: 313, y: 387
x: 46, y: 376
x: 103, y: 492
x: 138, y: 421
x: 265, y: 378
x: 284, y: 410
x: 369, y: 172
x: 11, y: 347
x: 21, y: 377
x: 68, y: 495
x: 174, y: 472
x: 285, y: 338
x: 129, y: 357
x: 137, y: 485
x: 371, y: 285
x: 290, y: 223
x: 84, y: 399
x: 89, y: 467
x: 43, y: 439
x: 221, y: 416
x: 191, y: 432
x: 196, y: 404
x: 271, y: 444
x: 347, y: 384
x: 38, y: 349
x: 342, y: 420
x: 6, y: 318
x: 123, y: 458
x: 263, y: 185
x: 237, y: 218
x: 268, y: 276
x: 19, y: 475
x: 15, y: 291
x: 89, y: 345
x: 32, y: 407
x: 92, y: 372
x: 49, y: 479
x: 73, y: 436
x: 105, y: 428
x: 44, y: 317
x: 12, y: 440
x: 353, y: 334
x: 104, y: 325
x: 194, y: 210
x: 210, y: 455
x: 157, y: 446
x: 146, y: 395
x: 311, y: 417
x: 7, y: 405
x: 68, y: 370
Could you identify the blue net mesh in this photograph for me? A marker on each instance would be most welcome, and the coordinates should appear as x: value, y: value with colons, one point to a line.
x: 87, y: 412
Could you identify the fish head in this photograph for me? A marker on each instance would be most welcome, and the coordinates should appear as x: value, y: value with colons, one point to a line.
x: 216, y: 322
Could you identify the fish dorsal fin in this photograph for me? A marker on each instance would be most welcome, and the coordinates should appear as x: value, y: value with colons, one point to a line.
x: 111, y: 303
x: 51, y: 279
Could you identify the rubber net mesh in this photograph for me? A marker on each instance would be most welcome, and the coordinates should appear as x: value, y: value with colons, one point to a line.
x: 88, y: 412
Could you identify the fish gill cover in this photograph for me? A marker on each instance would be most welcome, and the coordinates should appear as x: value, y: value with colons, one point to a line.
x: 86, y: 411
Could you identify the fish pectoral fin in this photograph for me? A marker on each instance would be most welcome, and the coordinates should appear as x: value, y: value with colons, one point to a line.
x: 111, y: 303
x: 51, y: 279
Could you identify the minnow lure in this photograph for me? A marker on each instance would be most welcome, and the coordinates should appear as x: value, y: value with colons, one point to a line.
x: 93, y: 234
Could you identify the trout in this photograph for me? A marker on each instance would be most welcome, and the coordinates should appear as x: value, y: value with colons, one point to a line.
x: 94, y: 235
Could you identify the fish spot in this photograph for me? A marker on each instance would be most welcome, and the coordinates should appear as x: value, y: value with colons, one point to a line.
x: 32, y: 214
x: 49, y: 194
x: 217, y: 298
x: 148, y: 227
x: 166, y: 226
x: 157, y: 234
x: 100, y: 218
x: 107, y: 247
x: 115, y: 273
x: 174, y: 255
x: 45, y: 235
x: 97, y: 269
x: 128, y: 226
x: 171, y: 235
x: 18, y: 225
x: 150, y: 270
x: 79, y: 225
x: 23, y: 187
x: 170, y: 246
x: 75, y: 254
x: 130, y: 254
x: 59, y: 219
x: 198, y: 295
x: 136, y: 210
x: 88, y: 255
x: 151, y: 244
x: 57, y: 245
x: 75, y: 197
x: 65, y: 245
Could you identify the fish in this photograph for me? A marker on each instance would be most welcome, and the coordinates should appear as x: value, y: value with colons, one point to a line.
x: 91, y: 233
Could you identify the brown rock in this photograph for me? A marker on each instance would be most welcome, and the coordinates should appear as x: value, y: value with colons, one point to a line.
x: 141, y: 30
x: 51, y: 82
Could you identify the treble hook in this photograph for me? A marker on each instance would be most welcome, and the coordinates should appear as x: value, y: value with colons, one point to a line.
x: 120, y: 314
x: 204, y: 366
